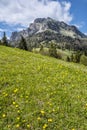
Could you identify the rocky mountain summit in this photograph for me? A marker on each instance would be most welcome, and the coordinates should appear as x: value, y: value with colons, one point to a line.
x: 43, y: 24
x: 48, y: 29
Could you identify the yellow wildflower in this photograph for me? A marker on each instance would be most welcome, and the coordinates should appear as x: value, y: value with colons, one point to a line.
x: 16, y: 106
x: 18, y: 118
x: 45, y: 126
x: 17, y: 126
x: 53, y: 110
x: 14, y: 103
x: 50, y: 120
x: 38, y: 118
x: 9, y: 126
x: 18, y: 111
x: 6, y: 95
x: 3, y: 115
x: 42, y: 112
x: 15, y: 91
x: 28, y: 125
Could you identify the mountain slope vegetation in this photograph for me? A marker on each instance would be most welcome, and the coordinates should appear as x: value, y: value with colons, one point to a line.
x: 39, y: 92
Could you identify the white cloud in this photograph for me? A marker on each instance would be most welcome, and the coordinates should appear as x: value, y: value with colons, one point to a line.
x: 20, y: 28
x: 2, y: 30
x: 25, y: 11
x: 79, y: 25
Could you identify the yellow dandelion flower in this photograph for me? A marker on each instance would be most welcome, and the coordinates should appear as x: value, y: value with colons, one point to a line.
x: 4, y: 115
x: 14, y: 103
x: 50, y: 120
x: 24, y: 120
x: 16, y: 106
x: 28, y: 125
x: 42, y: 112
x: 73, y: 129
x: 53, y: 110
x: 9, y: 126
x: 6, y: 95
x: 27, y: 97
x: 18, y: 111
x: 39, y: 118
x: 18, y: 118
x: 45, y: 126
x: 16, y: 90
x: 17, y: 126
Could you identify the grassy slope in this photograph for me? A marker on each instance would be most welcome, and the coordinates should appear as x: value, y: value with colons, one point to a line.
x: 38, y: 92
x: 63, y: 53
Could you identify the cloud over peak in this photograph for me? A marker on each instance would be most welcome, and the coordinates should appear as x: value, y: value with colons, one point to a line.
x: 23, y: 12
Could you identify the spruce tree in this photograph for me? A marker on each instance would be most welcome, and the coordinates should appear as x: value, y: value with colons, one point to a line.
x: 0, y: 42
x: 4, y: 39
x: 53, y: 50
x: 41, y: 47
x: 23, y: 44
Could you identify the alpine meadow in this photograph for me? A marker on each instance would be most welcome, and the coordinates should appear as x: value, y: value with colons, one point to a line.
x: 39, y: 92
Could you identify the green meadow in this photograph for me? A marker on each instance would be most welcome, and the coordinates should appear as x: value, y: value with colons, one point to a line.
x: 41, y: 93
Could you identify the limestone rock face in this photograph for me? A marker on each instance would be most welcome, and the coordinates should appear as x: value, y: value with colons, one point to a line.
x: 43, y: 24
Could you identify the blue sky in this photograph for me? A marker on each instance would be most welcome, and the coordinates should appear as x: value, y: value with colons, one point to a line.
x: 16, y: 15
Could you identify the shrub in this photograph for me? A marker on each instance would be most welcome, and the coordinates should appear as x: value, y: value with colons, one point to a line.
x: 83, y: 60
x: 59, y: 55
x: 76, y: 57
x: 72, y: 58
x: 68, y: 59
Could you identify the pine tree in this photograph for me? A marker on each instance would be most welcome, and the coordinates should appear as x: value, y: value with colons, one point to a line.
x: 68, y: 59
x: 72, y: 57
x: 4, y: 39
x: 53, y: 50
x: 23, y: 44
x: 41, y: 47
x: 0, y: 42
x: 77, y: 57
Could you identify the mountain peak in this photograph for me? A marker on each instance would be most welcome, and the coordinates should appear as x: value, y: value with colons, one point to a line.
x: 40, y: 20
x: 41, y: 25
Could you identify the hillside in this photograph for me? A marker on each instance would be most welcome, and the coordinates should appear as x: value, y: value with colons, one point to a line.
x: 39, y: 92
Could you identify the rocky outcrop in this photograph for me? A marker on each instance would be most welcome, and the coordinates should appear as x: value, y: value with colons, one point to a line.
x: 43, y: 24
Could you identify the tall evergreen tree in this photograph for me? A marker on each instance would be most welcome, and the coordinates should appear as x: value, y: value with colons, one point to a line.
x: 41, y: 47
x: 0, y: 42
x: 23, y: 44
x: 4, y: 39
x: 53, y: 50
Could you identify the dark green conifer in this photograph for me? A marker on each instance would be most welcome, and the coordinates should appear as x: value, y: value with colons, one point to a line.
x: 4, y: 39
x: 23, y: 44
x: 53, y: 50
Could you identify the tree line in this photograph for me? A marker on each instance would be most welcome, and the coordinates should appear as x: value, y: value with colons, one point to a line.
x: 78, y: 56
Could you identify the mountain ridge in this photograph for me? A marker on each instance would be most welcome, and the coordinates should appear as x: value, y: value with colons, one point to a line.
x: 46, y: 30
x: 43, y: 24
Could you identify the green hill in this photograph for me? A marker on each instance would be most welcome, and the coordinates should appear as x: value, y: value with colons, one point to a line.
x: 39, y: 92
